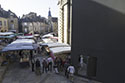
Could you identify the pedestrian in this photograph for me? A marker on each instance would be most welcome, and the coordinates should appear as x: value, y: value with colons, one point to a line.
x: 66, y: 65
x: 69, y: 59
x: 32, y: 64
x: 45, y: 66
x: 38, y: 72
x: 39, y: 50
x: 50, y: 63
x: 31, y: 55
x: 8, y: 57
x: 71, y: 71
x: 60, y: 63
x: 81, y: 61
x: 57, y: 61
x: 56, y: 66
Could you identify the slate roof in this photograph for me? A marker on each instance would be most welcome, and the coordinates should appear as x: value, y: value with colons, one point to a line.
x: 54, y: 19
x: 32, y: 18
x: 7, y: 14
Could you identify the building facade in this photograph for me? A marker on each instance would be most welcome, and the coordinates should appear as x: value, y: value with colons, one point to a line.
x: 3, y: 20
x: 55, y: 24
x: 65, y: 21
x: 31, y: 23
x: 3, y: 24
x: 50, y: 29
x: 8, y: 21
x: 13, y: 22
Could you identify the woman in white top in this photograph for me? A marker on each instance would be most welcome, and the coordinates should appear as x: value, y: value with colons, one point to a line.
x: 71, y: 71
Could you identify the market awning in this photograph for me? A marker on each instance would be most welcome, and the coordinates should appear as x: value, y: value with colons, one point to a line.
x: 6, y: 33
x: 2, y: 36
x: 57, y: 50
x: 23, y: 41
x: 20, y: 44
x: 10, y: 36
x: 47, y: 35
x: 52, y: 45
x: 25, y: 37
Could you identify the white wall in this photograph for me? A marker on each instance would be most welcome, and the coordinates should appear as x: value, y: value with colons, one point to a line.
x: 65, y: 24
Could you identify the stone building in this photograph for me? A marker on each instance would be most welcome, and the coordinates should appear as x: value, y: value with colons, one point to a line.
x: 55, y: 24
x: 50, y: 29
x: 31, y: 23
x: 3, y: 20
x: 65, y: 21
x: 13, y: 22
x: 8, y: 21
x: 3, y: 24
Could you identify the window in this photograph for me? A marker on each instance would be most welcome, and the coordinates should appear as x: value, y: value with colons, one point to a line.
x: 12, y: 21
x: 0, y: 24
x: 25, y: 24
x: 25, y: 30
x: 5, y: 23
x: 92, y: 64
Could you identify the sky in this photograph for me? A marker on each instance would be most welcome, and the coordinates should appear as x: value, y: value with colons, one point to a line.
x: 41, y: 7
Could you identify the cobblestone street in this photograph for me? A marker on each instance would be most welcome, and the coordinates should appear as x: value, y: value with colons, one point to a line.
x: 16, y: 74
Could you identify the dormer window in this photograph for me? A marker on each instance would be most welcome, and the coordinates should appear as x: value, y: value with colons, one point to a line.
x: 11, y: 14
x: 5, y: 23
x: 12, y: 21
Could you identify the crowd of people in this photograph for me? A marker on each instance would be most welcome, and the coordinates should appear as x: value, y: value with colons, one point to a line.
x: 53, y: 64
x: 56, y: 65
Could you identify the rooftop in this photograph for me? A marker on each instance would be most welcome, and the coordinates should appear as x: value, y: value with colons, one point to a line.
x: 6, y: 14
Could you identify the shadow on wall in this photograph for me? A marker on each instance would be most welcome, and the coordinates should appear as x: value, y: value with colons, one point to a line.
x: 100, y: 30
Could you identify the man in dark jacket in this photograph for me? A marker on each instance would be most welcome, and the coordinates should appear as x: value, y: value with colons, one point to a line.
x: 38, y: 67
x: 45, y: 65
x: 32, y: 63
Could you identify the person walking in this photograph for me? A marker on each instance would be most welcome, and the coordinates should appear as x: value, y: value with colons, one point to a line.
x: 71, y: 71
x: 32, y: 64
x: 44, y: 63
x: 50, y: 63
x: 38, y: 67
x: 60, y: 64
x: 81, y: 60
x: 66, y: 65
x: 56, y: 65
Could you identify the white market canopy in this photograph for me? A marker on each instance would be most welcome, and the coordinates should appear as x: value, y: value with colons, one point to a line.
x: 23, y: 41
x: 47, y: 35
x: 57, y: 50
x: 48, y: 40
x: 20, y: 44
x: 52, y: 45
x: 6, y: 33
x: 17, y: 47
x: 26, y: 37
x: 36, y: 35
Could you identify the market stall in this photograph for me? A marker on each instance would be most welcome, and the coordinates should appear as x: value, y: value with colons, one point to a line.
x: 57, y: 49
x: 7, y: 37
x: 25, y: 37
x: 6, y: 33
x: 62, y: 52
x: 24, y: 48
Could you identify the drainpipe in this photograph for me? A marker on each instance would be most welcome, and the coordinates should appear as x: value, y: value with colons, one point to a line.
x: 68, y: 22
